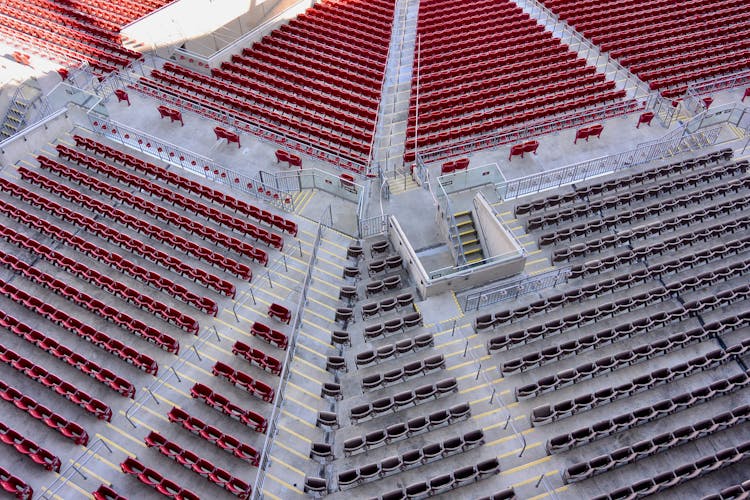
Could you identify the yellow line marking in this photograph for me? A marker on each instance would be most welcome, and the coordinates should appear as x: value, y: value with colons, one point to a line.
x: 295, y: 417
x: 303, y: 405
x: 534, y: 252
x: 544, y: 495
x: 124, y: 434
x: 290, y: 467
x: 267, y: 493
x: 290, y: 450
x: 302, y: 346
x: 324, y: 294
x: 529, y: 464
x: 303, y: 390
x: 76, y: 487
x: 327, y: 306
x: 536, y: 261
x: 104, y: 460
x: 308, y: 322
x: 284, y: 483
x: 470, y: 362
x: 481, y: 386
x: 305, y: 362
x: 499, y: 424
x: 316, y: 339
x: 90, y: 472
x: 295, y: 434
x: 308, y: 377
x: 508, y: 438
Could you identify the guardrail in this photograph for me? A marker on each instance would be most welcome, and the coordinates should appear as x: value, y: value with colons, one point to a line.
x: 607, y: 164
x: 514, y: 289
x: 285, y: 371
x: 190, y: 161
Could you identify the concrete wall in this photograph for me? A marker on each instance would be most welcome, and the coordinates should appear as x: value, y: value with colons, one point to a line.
x: 497, y: 240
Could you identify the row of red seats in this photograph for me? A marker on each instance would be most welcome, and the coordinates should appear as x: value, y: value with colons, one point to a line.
x: 200, y: 466
x: 241, y: 270
x: 333, y: 39
x: 439, y: 10
x: 173, y: 197
x: 202, y: 190
x: 449, y: 111
x: 361, y: 91
x: 520, y: 73
x: 67, y: 428
x: 511, y: 108
x: 226, y: 442
x: 532, y: 78
x: 55, y: 384
x: 278, y: 55
x: 322, y: 97
x: 481, y: 24
x: 692, y: 52
x: 102, y: 44
x: 500, y: 56
x: 244, y: 381
x: 655, y: 41
x: 253, y: 100
x: 239, y: 109
x: 674, y: 86
x: 15, y: 485
x: 153, y: 479
x: 550, y: 107
x: 150, y: 208
x: 86, y: 301
x: 348, y: 32
x: 56, y: 52
x: 730, y: 39
x: 483, y: 38
x: 257, y: 357
x: 63, y: 16
x: 114, y: 259
x: 79, y: 15
x: 483, y: 69
x: 656, y: 11
x: 102, y: 281
x: 350, y: 24
x: 222, y: 404
x: 266, y: 333
x: 104, y: 492
x: 67, y: 355
x: 692, y: 69
x: 379, y: 14
x: 108, y: 17
x: 86, y: 332
x: 81, y: 48
x: 608, y: 36
x: 29, y: 448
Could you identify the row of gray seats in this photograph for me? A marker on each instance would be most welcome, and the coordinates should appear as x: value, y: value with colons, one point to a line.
x: 391, y: 351
x: 401, y: 400
x: 735, y: 492
x: 715, y: 252
x: 596, y: 290
x: 621, y: 182
x: 393, y: 326
x: 648, y: 447
x: 702, y: 466
x: 405, y: 430
x: 644, y: 231
x: 578, y: 319
x: 611, y: 335
x: 665, y: 187
x: 642, y: 213
x: 382, y: 265
x: 629, y: 357
x: 672, y: 243
x: 410, y: 459
x: 410, y: 370
x: 445, y: 482
x: 386, y: 305
x: 645, y: 414
x: 550, y: 413
x: 379, y: 286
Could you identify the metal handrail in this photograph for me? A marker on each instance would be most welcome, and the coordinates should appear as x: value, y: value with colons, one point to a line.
x: 285, y: 371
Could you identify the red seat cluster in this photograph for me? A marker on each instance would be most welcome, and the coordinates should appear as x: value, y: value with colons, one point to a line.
x: 215, y: 436
x: 153, y: 479
x: 66, y: 354
x: 222, y: 404
x: 201, y: 466
x: 273, y: 337
x: 244, y: 381
x: 15, y: 486
x: 29, y: 448
x: 257, y: 357
x: 67, y: 428
x: 56, y: 384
